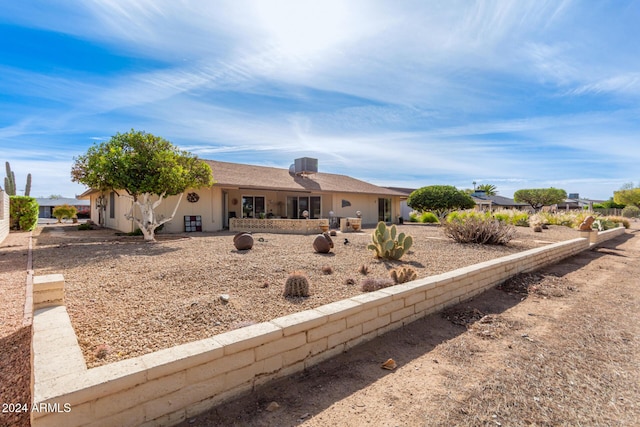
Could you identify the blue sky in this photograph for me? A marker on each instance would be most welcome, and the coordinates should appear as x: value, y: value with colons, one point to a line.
x: 518, y: 94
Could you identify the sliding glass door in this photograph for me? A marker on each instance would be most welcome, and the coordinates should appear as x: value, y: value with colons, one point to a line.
x: 253, y: 206
x: 384, y: 210
x: 296, y: 205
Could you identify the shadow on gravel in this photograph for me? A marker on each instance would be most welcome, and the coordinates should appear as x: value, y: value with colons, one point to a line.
x: 15, y: 372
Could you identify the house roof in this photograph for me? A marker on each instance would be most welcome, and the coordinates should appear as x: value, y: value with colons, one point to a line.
x: 238, y: 175
x: 46, y: 201
x: 262, y: 177
x: 404, y: 190
x: 496, y: 200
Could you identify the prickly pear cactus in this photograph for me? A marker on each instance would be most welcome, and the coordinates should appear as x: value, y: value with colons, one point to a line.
x: 385, y: 244
x: 297, y: 285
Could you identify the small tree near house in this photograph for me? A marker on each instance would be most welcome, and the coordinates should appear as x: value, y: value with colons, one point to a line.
x: 539, y: 197
x: 64, y: 211
x: 148, y: 168
x: 440, y: 199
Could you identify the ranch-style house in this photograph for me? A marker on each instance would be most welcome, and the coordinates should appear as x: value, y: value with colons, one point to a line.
x: 261, y: 198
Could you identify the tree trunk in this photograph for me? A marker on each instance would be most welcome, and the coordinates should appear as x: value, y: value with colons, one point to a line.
x: 148, y: 221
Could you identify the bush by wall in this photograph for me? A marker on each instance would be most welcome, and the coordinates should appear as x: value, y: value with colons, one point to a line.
x: 23, y: 211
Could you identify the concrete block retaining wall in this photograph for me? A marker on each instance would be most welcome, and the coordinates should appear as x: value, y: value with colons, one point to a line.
x: 602, y: 236
x: 4, y: 215
x: 168, y: 386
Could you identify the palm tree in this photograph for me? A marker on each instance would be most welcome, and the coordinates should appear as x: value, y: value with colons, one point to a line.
x: 489, y: 189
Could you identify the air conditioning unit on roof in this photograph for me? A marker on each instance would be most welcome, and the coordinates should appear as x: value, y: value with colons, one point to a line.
x: 305, y: 166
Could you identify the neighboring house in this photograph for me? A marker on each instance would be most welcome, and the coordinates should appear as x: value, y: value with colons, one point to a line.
x: 248, y: 191
x: 574, y: 201
x: 486, y: 202
x: 4, y: 215
x: 47, y: 205
x: 405, y: 210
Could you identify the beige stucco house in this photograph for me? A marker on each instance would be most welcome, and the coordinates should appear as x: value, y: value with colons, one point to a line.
x: 248, y: 191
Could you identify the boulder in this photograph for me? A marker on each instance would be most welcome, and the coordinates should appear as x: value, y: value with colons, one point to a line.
x: 587, y: 223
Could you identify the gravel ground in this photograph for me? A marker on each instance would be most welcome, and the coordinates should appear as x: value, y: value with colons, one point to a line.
x: 127, y: 297
x: 15, y: 339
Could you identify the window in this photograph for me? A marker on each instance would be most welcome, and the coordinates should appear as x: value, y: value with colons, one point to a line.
x: 112, y: 205
x: 297, y: 205
x: 253, y: 206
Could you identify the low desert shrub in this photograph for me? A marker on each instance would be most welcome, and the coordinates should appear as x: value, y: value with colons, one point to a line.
x: 85, y: 226
x: 464, y: 215
x: 327, y: 269
x: 631, y: 212
x: 603, y: 224
x: 619, y: 220
x: 64, y: 212
x: 371, y: 284
x: 486, y: 231
x: 429, y: 218
x: 424, y: 217
x: 513, y: 217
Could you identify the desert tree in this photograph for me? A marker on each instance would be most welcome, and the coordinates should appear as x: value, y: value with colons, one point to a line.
x: 539, y: 197
x: 440, y: 199
x: 628, y: 196
x: 148, y: 168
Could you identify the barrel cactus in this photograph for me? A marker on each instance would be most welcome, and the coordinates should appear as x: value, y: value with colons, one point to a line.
x: 387, y: 244
x: 297, y: 285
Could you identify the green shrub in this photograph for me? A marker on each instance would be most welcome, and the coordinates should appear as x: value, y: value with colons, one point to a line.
x: 85, y: 226
x: 136, y: 232
x: 413, y: 216
x: 619, y: 220
x: 513, y: 217
x: 64, y: 212
x: 631, y: 212
x: 603, y: 224
x: 463, y: 215
x: 474, y: 229
x: 429, y: 218
x: 23, y: 213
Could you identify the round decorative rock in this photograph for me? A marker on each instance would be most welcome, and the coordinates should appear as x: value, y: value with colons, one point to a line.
x: 322, y: 243
x: 243, y: 241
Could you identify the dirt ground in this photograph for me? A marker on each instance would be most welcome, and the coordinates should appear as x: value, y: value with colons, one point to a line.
x: 557, y: 347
